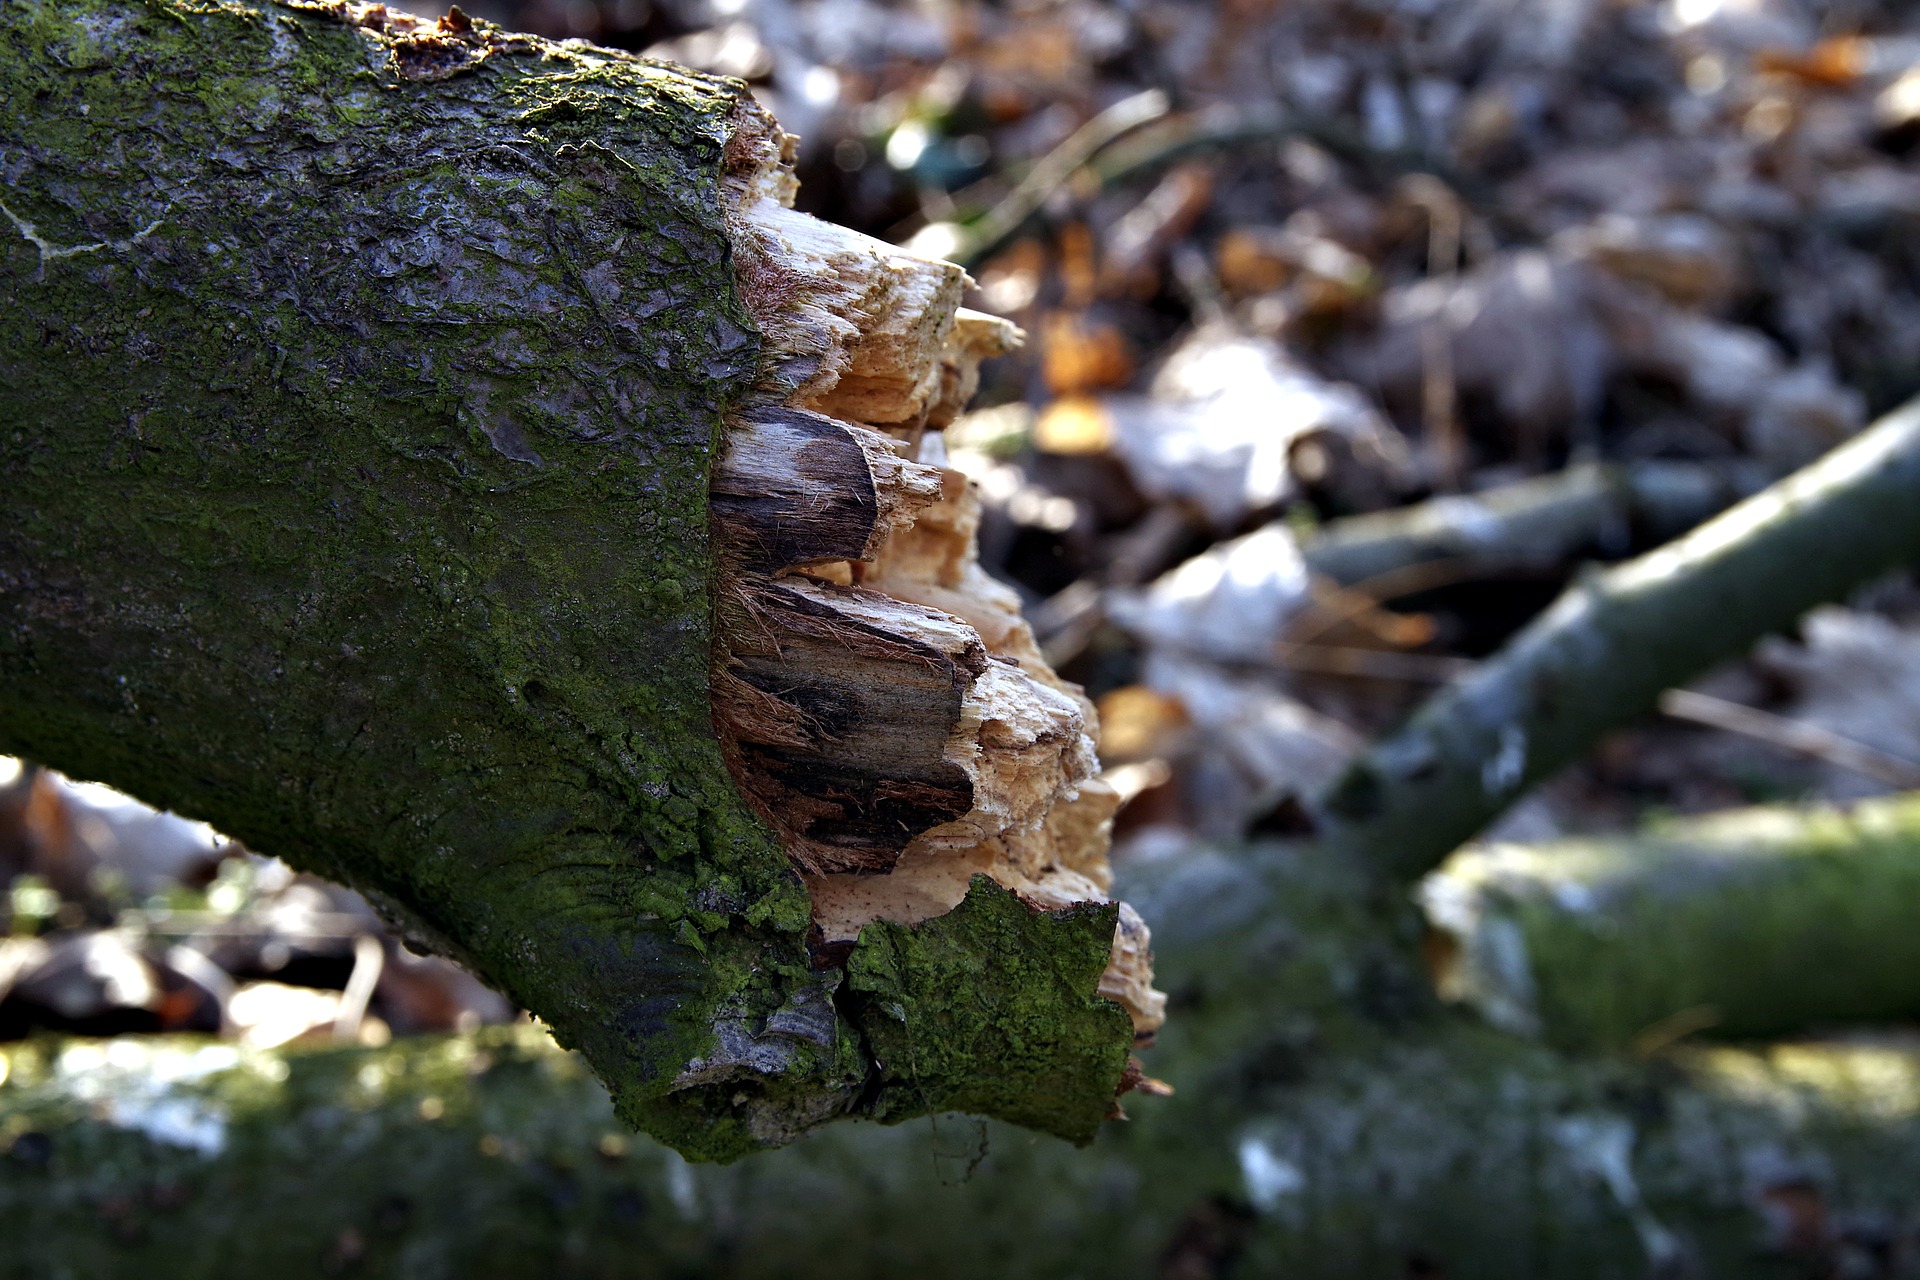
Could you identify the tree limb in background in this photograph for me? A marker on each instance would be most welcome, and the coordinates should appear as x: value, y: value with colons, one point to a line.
x: 361, y: 382
x: 1601, y: 656
x: 1749, y: 923
x: 1004, y: 220
x: 1540, y: 522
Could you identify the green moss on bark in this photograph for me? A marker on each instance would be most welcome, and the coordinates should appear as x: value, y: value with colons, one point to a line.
x: 991, y: 1009
x: 496, y: 1156
x: 1754, y: 922
x: 358, y: 489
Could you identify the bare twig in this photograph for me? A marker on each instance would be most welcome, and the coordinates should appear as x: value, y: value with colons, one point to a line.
x: 1052, y: 171
x: 1793, y: 735
x: 369, y: 958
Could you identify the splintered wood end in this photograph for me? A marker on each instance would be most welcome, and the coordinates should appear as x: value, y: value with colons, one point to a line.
x: 880, y: 699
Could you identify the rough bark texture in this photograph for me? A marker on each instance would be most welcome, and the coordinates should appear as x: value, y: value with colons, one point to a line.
x: 360, y: 379
x: 1747, y: 923
x: 1601, y: 656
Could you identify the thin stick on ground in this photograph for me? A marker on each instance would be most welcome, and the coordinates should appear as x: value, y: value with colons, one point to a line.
x: 1790, y: 735
x: 1000, y: 223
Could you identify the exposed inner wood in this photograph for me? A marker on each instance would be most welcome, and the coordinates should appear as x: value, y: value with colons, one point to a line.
x: 881, y: 699
x: 797, y: 488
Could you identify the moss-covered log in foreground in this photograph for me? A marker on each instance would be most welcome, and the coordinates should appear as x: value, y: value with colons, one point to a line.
x: 360, y: 383
x: 1308, y: 1151
x: 1330, y: 1121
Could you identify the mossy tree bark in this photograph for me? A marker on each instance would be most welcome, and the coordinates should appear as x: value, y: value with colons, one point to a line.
x: 360, y: 382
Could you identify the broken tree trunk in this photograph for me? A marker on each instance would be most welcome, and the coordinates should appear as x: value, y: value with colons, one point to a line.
x: 1600, y: 658
x: 361, y: 383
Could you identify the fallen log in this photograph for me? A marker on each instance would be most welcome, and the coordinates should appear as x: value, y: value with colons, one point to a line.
x: 363, y: 379
x: 1328, y: 1123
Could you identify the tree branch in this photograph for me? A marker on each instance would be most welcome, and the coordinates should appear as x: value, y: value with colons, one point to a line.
x: 1749, y: 923
x: 1602, y: 655
x: 1307, y: 1153
x: 1537, y: 523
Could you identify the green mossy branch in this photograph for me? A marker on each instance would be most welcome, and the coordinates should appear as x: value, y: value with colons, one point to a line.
x: 995, y: 993
x: 1296, y: 1147
x: 1753, y: 922
x: 357, y: 398
x: 1600, y: 658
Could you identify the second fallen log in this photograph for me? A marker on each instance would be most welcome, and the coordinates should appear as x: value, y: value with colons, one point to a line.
x: 1754, y: 922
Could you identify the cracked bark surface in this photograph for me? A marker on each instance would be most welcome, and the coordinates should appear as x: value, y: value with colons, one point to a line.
x: 361, y: 382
